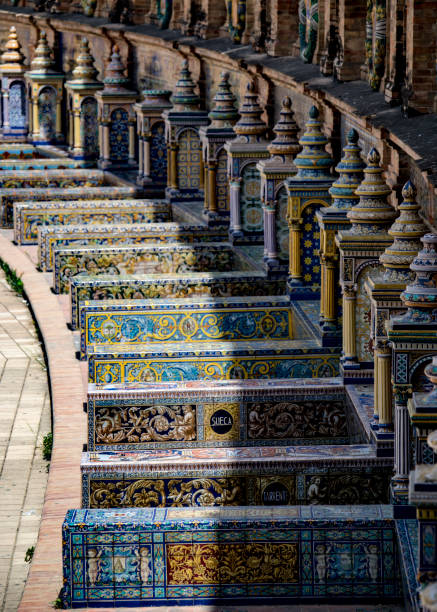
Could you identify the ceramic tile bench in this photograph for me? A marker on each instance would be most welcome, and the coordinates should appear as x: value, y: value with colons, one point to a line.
x: 193, y: 320
x: 52, y: 236
x: 40, y: 179
x: 59, y: 194
x: 230, y: 556
x: 182, y: 361
x: 132, y: 259
x: 141, y: 286
x: 220, y: 413
x: 246, y: 476
x: 29, y: 216
x: 43, y: 163
x: 29, y: 157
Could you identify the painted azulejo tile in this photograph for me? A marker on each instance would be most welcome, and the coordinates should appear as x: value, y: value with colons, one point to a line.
x: 30, y: 216
x: 229, y: 413
x: 131, y: 259
x: 9, y: 196
x: 140, y: 321
x: 235, y: 476
x: 221, y: 360
x: 213, y: 284
x: 52, y: 236
x: 140, y: 557
x: 23, y: 179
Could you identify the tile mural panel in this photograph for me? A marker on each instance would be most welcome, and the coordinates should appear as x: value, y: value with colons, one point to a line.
x: 188, y: 159
x: 17, y: 105
x: 119, y: 135
x: 227, y: 555
x: 135, y: 322
x: 189, y: 361
x: 246, y: 412
x: 250, y: 201
x: 222, y: 188
x: 89, y: 134
x: 158, y: 153
x: 310, y: 245
x: 47, y: 114
x: 242, y: 476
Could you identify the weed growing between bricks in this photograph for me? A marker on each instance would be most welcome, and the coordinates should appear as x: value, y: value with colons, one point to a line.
x: 47, y: 446
x: 12, y: 278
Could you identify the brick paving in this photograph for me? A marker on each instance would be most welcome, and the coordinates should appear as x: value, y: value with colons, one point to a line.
x: 24, y: 420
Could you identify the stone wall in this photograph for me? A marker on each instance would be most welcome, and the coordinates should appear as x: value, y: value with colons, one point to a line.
x: 154, y: 57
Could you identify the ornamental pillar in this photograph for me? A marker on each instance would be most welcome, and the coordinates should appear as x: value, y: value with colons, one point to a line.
x: 244, y: 152
x: 214, y: 136
x: 308, y: 192
x: 47, y: 91
x: 153, y: 162
x: 349, y: 341
x: 182, y: 128
x: 274, y: 172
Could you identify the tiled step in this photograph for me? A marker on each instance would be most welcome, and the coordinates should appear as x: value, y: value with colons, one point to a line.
x: 246, y: 476
x: 183, y: 361
x: 53, y: 236
x: 193, y: 320
x: 150, y: 286
x: 131, y: 259
x: 220, y: 413
x: 230, y: 556
x: 59, y: 194
x: 30, y: 216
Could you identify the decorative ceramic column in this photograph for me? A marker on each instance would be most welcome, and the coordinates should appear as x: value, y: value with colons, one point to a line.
x: 332, y: 220
x: 14, y: 113
x: 308, y: 191
x: 152, y: 154
x: 413, y: 337
x: 274, y: 172
x: 423, y: 487
x: 116, y: 116
x: 360, y: 248
x: 46, y: 96
x: 82, y: 106
x: 384, y: 292
x: 182, y: 125
x: 249, y: 147
x: 223, y: 117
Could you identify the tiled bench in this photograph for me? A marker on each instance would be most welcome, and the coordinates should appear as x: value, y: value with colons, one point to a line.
x: 29, y: 157
x: 41, y: 163
x: 183, y: 361
x: 141, y: 286
x: 192, y: 320
x: 220, y: 413
x: 9, y: 196
x: 29, y: 216
x: 132, y: 259
x: 245, y: 476
x: 230, y: 556
x: 52, y: 236
x: 40, y: 179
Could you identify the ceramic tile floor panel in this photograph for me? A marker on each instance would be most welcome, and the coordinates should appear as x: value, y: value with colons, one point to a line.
x: 24, y: 420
